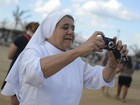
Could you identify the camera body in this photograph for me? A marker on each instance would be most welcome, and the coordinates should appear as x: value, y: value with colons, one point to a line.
x: 111, y: 46
x: 109, y: 43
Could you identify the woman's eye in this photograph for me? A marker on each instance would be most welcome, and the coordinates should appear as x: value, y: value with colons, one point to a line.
x: 65, y: 28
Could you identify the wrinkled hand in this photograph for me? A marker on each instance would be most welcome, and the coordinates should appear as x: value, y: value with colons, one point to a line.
x: 94, y: 43
x: 121, y: 47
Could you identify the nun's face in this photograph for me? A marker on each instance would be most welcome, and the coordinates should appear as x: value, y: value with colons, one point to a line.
x: 63, y: 35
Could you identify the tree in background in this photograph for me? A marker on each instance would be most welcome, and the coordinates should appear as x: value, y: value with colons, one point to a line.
x: 18, y: 16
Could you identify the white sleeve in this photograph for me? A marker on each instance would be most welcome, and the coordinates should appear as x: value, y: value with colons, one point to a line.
x: 8, y: 90
x: 30, y: 69
x: 93, y: 78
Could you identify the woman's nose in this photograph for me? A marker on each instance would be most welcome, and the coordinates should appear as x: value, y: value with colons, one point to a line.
x: 70, y: 31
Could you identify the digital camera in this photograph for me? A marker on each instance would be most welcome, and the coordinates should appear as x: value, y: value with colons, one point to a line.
x: 109, y: 43
x: 111, y: 46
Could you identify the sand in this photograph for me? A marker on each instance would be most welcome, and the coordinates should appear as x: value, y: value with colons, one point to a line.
x: 89, y: 97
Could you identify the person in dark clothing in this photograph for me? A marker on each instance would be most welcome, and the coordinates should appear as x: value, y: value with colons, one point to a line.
x: 16, y: 48
x: 124, y: 79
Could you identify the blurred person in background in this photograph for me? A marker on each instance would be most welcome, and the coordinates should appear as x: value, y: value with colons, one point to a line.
x: 124, y: 79
x: 15, y: 49
x: 103, y: 62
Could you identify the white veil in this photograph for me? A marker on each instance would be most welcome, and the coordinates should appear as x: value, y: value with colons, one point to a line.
x: 45, y: 30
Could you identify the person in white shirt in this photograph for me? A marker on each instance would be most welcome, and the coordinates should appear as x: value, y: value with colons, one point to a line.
x: 49, y: 72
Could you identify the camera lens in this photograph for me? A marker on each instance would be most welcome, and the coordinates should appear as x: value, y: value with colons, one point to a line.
x: 110, y: 45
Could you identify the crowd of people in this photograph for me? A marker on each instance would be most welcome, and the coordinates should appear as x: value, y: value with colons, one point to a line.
x: 48, y: 71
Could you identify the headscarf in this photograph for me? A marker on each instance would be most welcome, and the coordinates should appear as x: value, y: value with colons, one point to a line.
x: 45, y: 30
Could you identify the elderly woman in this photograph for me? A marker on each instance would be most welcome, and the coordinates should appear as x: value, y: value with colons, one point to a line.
x: 51, y: 73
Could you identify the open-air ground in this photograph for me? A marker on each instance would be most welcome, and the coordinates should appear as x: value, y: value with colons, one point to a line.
x: 89, y: 97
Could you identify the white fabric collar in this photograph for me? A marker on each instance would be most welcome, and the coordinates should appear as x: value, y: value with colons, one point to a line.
x: 52, y: 49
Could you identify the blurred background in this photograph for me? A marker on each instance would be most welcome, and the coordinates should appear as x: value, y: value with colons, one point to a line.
x: 119, y: 18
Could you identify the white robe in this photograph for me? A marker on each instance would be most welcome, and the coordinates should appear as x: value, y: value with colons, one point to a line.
x: 63, y: 88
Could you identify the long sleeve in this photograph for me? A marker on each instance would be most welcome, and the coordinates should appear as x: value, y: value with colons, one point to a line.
x: 93, y: 78
x: 31, y: 69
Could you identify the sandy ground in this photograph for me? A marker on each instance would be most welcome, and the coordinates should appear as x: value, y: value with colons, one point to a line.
x: 89, y: 97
